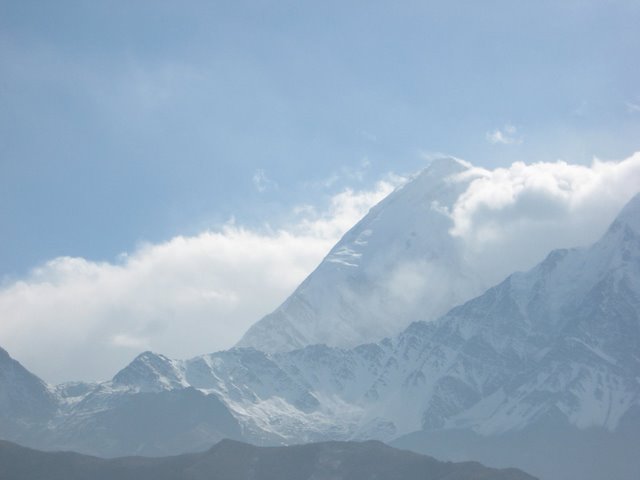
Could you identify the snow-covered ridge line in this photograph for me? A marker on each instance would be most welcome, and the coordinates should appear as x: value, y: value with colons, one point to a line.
x: 561, y: 339
x: 559, y: 342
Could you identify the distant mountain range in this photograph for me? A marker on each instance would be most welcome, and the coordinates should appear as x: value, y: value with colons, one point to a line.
x: 230, y: 460
x: 541, y: 371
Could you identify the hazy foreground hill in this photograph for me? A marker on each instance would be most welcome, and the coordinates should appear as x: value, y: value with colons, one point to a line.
x: 26, y: 402
x: 230, y: 460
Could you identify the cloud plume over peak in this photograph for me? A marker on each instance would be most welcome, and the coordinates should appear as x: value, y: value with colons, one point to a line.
x: 527, y: 210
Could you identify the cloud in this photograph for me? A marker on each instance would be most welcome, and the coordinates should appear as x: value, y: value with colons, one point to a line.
x: 504, y: 136
x: 370, y: 137
x: 128, y: 89
x: 261, y: 182
x: 347, y: 173
x: 633, y: 107
x: 73, y: 318
x: 510, y: 218
x: 581, y: 109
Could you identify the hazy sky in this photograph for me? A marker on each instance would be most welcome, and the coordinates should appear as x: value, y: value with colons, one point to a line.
x: 132, y: 132
x: 127, y: 121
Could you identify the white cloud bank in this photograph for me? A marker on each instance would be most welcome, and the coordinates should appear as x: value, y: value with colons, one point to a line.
x: 510, y: 218
x: 76, y: 319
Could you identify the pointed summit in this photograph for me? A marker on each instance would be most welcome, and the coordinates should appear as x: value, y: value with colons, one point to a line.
x: 397, y: 265
x: 24, y: 398
x: 447, y: 165
x: 150, y: 371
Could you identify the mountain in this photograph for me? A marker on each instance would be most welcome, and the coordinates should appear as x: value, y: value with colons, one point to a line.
x: 545, y: 360
x: 135, y: 413
x: 230, y: 460
x: 571, y: 326
x: 397, y: 265
x: 563, y: 341
x: 559, y: 343
x: 25, y: 400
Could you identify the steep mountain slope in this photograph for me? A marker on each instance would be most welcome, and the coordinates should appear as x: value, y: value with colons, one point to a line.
x: 397, y: 265
x: 25, y: 400
x: 571, y: 326
x: 229, y: 460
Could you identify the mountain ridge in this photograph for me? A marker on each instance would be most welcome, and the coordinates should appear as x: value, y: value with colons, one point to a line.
x: 232, y: 460
x: 557, y: 344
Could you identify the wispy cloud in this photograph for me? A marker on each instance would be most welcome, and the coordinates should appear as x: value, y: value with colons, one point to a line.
x: 633, y: 107
x: 262, y: 182
x: 582, y: 109
x: 346, y: 174
x: 369, y: 136
x: 505, y: 136
x: 131, y: 86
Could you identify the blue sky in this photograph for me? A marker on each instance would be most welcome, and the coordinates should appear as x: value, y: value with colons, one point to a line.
x: 123, y: 121
x: 171, y: 171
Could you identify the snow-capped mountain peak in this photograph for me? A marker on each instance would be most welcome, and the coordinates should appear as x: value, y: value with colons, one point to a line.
x: 552, y: 348
x: 151, y: 372
x: 397, y: 265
